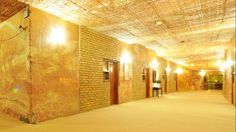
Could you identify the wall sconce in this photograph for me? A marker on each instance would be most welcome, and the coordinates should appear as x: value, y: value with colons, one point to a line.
x: 154, y: 64
x: 125, y: 58
x: 222, y: 68
x: 168, y: 70
x: 202, y: 73
x: 179, y: 71
x: 226, y: 65
x: 57, y: 36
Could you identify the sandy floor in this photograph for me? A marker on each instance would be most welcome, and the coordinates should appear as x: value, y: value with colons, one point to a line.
x: 199, y: 111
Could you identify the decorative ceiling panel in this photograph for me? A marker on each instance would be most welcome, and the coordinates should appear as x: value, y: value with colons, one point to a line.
x: 190, y: 32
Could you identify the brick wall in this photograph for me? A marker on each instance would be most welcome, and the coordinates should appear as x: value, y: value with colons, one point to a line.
x: 141, y: 58
x: 93, y: 48
x: 67, y: 79
x: 94, y: 92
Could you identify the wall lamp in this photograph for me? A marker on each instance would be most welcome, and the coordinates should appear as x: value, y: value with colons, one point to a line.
x: 126, y: 58
x: 57, y: 36
x: 154, y: 64
x: 179, y: 71
x: 202, y: 73
x: 226, y: 65
x: 168, y: 70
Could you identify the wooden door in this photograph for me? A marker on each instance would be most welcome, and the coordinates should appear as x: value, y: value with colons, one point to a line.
x: 176, y: 81
x: 233, y: 84
x: 147, y: 81
x: 113, y: 70
x: 165, y: 83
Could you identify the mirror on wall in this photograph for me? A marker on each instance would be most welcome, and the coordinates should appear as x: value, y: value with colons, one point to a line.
x: 105, y: 70
x: 144, y: 74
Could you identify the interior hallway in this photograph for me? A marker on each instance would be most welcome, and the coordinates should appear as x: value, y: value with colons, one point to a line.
x: 195, y: 111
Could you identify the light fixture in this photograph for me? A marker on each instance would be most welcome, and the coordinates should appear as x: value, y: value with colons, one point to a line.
x: 202, y: 73
x: 168, y: 70
x: 226, y: 65
x: 179, y: 71
x: 154, y: 64
x: 222, y: 69
x: 159, y: 22
x: 57, y: 36
x: 125, y: 58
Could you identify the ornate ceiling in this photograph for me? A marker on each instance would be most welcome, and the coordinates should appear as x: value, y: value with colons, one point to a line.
x: 194, y: 33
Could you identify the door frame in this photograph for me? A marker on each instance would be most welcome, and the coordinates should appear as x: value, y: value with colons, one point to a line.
x: 116, y: 81
x: 147, y: 82
x: 233, y: 84
x: 176, y: 81
x: 165, y: 83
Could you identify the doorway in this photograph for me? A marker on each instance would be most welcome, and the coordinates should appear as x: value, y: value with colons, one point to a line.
x: 176, y: 81
x: 233, y: 84
x: 147, y: 81
x: 165, y: 82
x: 113, y: 75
